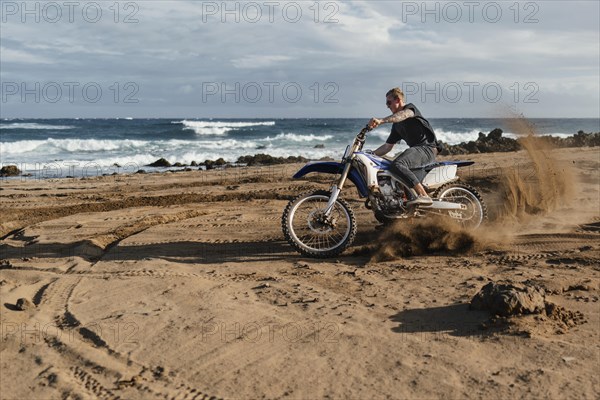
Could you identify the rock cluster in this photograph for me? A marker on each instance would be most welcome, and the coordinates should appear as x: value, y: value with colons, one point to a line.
x: 580, y: 139
x: 490, y: 143
x: 9, y: 170
x: 210, y: 164
x: 495, y: 142
x: 161, y: 162
x: 266, y: 159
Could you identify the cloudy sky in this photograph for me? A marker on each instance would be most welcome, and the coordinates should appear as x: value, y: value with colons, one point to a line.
x: 298, y: 58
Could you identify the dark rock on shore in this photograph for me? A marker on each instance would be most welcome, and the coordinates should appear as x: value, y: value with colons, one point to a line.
x: 210, y: 164
x: 9, y: 170
x: 266, y: 159
x: 580, y: 139
x: 495, y: 142
x: 257, y: 159
x: 490, y: 143
x: 160, y: 163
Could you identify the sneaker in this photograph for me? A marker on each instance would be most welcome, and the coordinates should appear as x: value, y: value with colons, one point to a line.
x: 420, y: 201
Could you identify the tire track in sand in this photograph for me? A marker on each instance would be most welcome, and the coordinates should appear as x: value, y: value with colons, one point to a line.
x: 94, y: 366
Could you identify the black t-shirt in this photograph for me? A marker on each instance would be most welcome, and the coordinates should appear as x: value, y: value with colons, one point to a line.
x: 416, y: 131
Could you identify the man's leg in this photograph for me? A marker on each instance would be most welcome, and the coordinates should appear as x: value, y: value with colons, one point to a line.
x: 412, y: 158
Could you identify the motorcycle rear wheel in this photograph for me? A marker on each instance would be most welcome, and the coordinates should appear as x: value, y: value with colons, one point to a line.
x: 307, y: 229
x: 476, y: 211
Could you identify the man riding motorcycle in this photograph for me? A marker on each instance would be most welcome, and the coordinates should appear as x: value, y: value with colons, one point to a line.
x: 320, y: 223
x: 410, y: 125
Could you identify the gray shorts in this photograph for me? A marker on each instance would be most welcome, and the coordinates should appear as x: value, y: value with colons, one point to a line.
x: 413, y: 157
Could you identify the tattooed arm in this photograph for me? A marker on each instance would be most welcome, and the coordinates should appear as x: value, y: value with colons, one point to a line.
x: 401, y: 115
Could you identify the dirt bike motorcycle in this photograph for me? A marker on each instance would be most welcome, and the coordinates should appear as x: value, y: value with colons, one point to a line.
x: 321, y: 224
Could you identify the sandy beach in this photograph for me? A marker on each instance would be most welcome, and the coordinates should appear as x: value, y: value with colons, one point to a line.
x: 181, y: 286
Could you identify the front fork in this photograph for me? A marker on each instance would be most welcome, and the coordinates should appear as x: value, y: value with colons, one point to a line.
x: 336, y: 189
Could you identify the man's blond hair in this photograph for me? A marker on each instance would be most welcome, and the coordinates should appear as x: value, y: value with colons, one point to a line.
x: 397, y: 93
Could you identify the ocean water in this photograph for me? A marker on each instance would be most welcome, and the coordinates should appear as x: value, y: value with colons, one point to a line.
x: 83, y: 147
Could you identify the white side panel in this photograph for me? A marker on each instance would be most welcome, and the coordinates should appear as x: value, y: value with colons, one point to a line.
x: 440, y: 175
x: 371, y: 170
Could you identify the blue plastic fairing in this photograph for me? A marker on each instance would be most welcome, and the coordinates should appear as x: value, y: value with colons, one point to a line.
x: 331, y: 167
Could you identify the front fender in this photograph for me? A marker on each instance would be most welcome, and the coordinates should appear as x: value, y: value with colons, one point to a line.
x: 332, y: 167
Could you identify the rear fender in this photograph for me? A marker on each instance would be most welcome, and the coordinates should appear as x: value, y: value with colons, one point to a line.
x: 442, y: 172
x: 458, y: 164
x: 332, y: 167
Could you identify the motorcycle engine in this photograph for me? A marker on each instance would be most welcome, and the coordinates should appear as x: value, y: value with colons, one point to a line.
x: 392, y: 197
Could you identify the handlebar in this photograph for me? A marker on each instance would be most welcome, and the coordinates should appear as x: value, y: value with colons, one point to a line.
x: 364, y: 131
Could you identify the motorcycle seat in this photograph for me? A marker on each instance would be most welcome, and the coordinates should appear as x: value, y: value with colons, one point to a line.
x: 427, y: 167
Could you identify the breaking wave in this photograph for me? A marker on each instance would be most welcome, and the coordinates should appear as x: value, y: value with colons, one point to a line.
x: 33, y: 125
x: 218, y: 128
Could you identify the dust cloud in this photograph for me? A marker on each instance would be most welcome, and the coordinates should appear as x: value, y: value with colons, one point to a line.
x: 541, y: 192
x: 421, y: 237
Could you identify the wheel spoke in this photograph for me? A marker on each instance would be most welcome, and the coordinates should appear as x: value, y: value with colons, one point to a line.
x: 314, y: 231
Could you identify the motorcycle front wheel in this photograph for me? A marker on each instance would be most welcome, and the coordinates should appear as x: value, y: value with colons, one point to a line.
x: 311, y: 232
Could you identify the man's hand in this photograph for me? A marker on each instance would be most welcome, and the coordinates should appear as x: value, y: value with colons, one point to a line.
x: 375, y: 122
